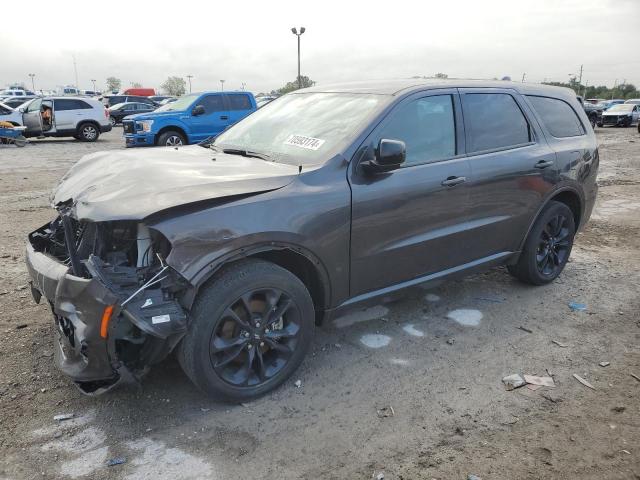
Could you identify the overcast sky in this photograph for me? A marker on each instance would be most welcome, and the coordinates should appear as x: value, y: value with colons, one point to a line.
x: 250, y: 41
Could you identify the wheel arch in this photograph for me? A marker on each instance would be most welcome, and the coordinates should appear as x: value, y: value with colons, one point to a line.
x: 567, y: 195
x: 84, y: 122
x: 168, y: 128
x: 297, y: 260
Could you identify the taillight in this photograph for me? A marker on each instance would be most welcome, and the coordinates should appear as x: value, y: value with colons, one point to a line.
x: 106, y: 113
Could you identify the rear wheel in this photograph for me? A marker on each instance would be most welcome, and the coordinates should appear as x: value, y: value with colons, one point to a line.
x: 112, y: 121
x: 88, y: 132
x: 171, y: 138
x: 547, y: 247
x: 593, y: 119
x: 251, y: 327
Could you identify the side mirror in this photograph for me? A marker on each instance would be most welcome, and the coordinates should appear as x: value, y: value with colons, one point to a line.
x: 389, y: 155
x: 198, y: 110
x: 21, y: 110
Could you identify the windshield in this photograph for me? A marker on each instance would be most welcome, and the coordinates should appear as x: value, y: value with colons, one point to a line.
x: 622, y: 107
x: 180, y: 104
x: 302, y: 128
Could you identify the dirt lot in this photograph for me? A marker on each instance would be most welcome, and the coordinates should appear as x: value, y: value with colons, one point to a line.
x: 451, y: 414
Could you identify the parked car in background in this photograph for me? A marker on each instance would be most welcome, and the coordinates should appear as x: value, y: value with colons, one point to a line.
x: 635, y: 101
x: 82, y: 118
x: 168, y: 100
x: 17, y: 102
x: 190, y: 119
x: 121, y: 110
x: 9, y: 114
x: 139, y: 91
x: 595, y: 100
x: 263, y: 100
x: 110, y: 100
x: 16, y: 92
x: 594, y: 113
x: 621, y: 115
x: 160, y: 98
x: 367, y: 190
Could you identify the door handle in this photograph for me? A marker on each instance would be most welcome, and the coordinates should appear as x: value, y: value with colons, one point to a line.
x: 453, y: 181
x: 224, y: 117
x: 544, y: 164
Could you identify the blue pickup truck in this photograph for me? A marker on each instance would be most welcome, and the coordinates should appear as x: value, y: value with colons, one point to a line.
x: 190, y: 119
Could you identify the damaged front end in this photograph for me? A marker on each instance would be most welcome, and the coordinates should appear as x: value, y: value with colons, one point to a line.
x: 116, y: 304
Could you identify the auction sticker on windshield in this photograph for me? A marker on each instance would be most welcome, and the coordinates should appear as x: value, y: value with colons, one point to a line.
x: 301, y: 141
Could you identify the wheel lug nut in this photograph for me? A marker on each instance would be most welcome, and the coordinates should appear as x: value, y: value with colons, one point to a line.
x: 257, y: 324
x: 262, y: 344
x: 249, y: 347
x: 266, y: 330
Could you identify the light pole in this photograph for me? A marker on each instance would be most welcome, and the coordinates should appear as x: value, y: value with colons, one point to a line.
x: 295, y: 32
x: 222, y: 84
x: 93, y: 80
x: 189, y: 77
x: 33, y: 85
x: 243, y: 85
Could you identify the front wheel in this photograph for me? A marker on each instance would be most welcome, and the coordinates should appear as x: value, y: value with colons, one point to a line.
x: 171, y: 139
x: 547, y: 247
x: 251, y: 327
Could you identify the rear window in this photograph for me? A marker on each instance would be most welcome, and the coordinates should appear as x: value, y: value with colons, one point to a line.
x: 493, y: 121
x: 239, y: 102
x: 560, y: 119
x: 70, y: 104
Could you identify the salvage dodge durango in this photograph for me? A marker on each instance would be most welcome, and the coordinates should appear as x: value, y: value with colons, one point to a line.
x: 231, y: 252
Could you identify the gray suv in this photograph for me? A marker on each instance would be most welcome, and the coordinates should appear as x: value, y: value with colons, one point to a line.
x: 79, y: 117
x: 328, y: 198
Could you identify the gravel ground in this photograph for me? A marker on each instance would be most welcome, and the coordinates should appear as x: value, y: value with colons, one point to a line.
x: 427, y: 403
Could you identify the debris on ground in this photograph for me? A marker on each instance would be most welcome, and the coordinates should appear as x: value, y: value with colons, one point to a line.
x: 604, y: 364
x: 451, y: 341
x: 512, y: 382
x: 490, y: 299
x: 116, y: 461
x: 583, y: 381
x: 473, y: 477
x: 525, y: 329
x: 560, y: 344
x: 63, y: 416
x: 577, y: 307
x: 20, y: 326
x: 379, y: 476
x: 539, y: 381
x: 298, y: 383
x: 635, y: 376
x: 385, y: 412
x: 619, y: 409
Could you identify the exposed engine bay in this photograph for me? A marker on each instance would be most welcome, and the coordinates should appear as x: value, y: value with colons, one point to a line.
x: 144, y: 318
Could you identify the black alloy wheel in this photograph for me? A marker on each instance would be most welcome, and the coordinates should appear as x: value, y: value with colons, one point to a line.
x: 547, y: 247
x: 256, y: 337
x: 554, y: 245
x: 250, y: 327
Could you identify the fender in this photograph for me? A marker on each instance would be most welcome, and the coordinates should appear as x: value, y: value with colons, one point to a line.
x: 547, y: 199
x: 217, y: 262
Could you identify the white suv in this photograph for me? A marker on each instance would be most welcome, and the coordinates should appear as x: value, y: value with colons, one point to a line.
x: 78, y: 117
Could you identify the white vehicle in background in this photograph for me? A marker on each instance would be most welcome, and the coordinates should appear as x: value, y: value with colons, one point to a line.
x: 8, y: 114
x: 14, y: 92
x: 67, y: 90
x: 61, y: 116
x: 635, y: 101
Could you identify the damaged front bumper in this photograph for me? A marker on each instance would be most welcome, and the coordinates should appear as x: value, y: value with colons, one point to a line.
x: 109, y: 325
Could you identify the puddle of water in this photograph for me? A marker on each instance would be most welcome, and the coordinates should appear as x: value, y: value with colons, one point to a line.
x: 399, y: 361
x: 466, y: 317
x: 372, y: 340
x: 413, y: 331
x: 432, y: 298
x: 159, y: 462
x: 365, y: 315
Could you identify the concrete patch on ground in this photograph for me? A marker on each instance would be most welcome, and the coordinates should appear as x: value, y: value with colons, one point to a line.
x: 374, y: 340
x: 466, y: 316
x: 412, y: 330
x: 399, y: 361
x: 365, y: 315
x: 432, y: 298
x: 156, y: 461
x: 85, y: 464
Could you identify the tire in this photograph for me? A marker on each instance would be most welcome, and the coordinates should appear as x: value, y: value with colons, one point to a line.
x: 599, y: 124
x: 112, y: 121
x: 171, y: 138
x: 546, y: 240
x: 222, y: 354
x: 88, y: 132
x: 593, y: 119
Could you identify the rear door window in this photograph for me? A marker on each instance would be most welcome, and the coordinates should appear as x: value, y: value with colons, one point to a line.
x: 239, y: 102
x: 560, y: 119
x: 493, y: 121
x: 70, y: 104
x: 426, y: 126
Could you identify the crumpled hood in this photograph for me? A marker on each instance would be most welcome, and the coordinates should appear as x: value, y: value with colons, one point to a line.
x: 133, y: 184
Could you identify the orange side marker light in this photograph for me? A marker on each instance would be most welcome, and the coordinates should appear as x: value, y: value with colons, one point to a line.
x: 106, y: 318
